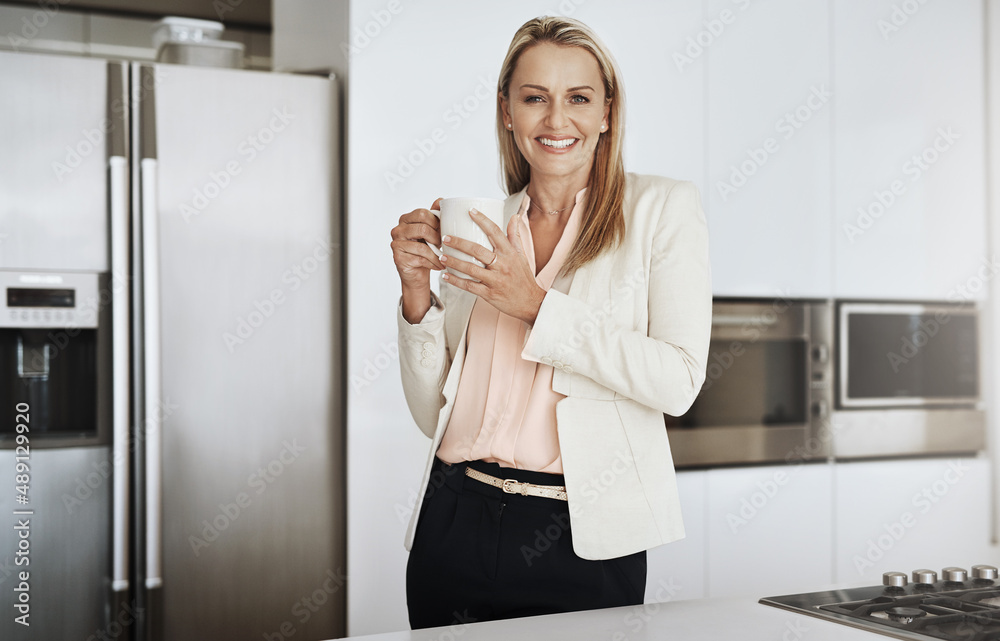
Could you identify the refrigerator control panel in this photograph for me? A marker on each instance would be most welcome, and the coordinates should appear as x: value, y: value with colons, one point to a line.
x: 46, y: 299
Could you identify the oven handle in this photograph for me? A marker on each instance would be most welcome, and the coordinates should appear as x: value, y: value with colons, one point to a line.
x: 742, y: 319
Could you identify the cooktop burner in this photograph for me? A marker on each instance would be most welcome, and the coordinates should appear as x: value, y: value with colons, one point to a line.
x: 956, y: 607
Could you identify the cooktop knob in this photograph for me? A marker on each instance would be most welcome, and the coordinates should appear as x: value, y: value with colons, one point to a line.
x: 894, y: 579
x: 924, y: 576
x: 957, y: 575
x: 984, y: 572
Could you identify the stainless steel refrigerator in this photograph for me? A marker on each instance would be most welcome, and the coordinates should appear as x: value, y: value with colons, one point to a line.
x: 170, y: 250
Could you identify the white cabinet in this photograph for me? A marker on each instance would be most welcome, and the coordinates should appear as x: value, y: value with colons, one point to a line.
x: 785, y: 529
x: 768, y: 192
x: 676, y: 571
x: 845, y: 155
x: 665, y: 128
x: 910, y: 514
x: 908, y: 169
x: 769, y: 529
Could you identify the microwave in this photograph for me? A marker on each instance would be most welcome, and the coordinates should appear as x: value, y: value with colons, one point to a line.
x: 769, y: 386
x: 908, y: 380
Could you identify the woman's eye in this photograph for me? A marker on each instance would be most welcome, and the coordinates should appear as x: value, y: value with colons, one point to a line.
x: 579, y: 100
x: 533, y: 99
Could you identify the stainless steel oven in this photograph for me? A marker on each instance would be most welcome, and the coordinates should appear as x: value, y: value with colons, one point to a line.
x: 908, y: 380
x: 769, y: 385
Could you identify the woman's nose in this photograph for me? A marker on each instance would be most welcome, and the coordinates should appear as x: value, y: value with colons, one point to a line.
x: 556, y: 116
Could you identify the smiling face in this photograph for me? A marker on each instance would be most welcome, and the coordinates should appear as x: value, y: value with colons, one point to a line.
x: 556, y: 106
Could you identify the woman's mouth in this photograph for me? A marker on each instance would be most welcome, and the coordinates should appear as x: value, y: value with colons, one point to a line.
x: 557, y: 145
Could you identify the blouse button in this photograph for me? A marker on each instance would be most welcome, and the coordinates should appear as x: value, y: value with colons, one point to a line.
x: 427, y: 362
x: 546, y: 360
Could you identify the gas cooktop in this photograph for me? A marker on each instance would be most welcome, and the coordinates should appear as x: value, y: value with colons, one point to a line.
x: 958, y: 606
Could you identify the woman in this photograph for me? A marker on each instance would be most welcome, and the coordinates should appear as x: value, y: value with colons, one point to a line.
x: 543, y: 385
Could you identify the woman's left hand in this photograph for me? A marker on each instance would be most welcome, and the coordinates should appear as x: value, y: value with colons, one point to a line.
x: 507, y: 281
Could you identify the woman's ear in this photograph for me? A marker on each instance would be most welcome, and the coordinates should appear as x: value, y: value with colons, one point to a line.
x: 504, y: 108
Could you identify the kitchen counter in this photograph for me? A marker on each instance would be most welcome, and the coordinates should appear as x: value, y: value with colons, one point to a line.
x: 741, y: 618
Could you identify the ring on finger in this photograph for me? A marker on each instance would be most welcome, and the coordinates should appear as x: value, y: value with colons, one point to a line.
x: 495, y: 256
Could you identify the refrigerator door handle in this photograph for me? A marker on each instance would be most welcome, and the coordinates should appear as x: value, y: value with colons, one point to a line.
x: 118, y: 176
x: 153, y: 382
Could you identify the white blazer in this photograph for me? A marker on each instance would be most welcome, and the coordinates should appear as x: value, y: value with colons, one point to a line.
x: 628, y: 341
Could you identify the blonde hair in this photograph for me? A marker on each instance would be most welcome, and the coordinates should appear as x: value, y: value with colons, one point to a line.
x: 603, y: 224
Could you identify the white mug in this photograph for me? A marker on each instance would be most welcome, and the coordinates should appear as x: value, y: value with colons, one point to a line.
x: 456, y: 222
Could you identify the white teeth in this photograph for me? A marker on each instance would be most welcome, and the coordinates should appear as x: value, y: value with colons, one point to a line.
x: 558, y: 144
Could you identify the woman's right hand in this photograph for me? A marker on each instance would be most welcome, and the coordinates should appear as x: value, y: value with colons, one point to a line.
x: 415, y: 259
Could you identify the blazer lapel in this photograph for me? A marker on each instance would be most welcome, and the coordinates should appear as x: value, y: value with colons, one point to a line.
x: 511, y: 206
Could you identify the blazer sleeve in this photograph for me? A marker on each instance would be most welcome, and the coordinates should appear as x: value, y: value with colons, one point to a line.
x: 423, y: 364
x: 661, y: 365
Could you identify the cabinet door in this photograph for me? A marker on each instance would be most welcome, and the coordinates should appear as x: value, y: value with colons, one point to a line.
x: 665, y: 96
x: 909, y: 171
x: 769, y: 530
x: 769, y: 114
x: 676, y: 571
x: 910, y: 514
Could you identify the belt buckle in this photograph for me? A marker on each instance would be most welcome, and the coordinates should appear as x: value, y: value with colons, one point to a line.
x: 507, y: 483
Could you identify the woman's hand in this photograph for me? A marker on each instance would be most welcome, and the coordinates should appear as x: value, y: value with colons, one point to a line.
x: 415, y: 260
x: 507, y: 282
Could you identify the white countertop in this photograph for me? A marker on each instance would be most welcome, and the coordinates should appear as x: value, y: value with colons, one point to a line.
x: 740, y: 619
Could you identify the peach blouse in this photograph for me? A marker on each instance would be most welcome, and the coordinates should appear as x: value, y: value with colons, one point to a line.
x: 505, y: 409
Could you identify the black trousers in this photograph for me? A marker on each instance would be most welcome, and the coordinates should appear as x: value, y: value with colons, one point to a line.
x: 481, y: 554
